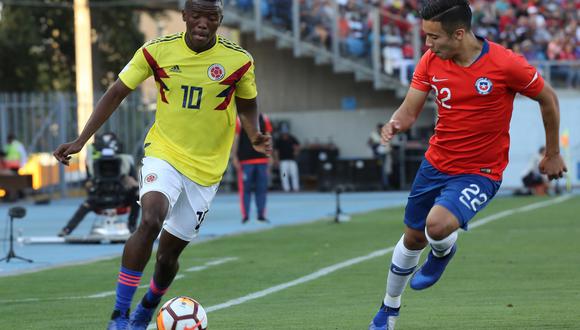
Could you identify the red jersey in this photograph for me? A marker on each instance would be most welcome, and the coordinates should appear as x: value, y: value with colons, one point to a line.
x: 475, y: 108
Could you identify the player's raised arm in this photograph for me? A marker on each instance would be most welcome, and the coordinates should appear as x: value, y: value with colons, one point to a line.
x: 103, y: 110
x: 405, y: 115
x: 552, y: 164
x: 248, y: 113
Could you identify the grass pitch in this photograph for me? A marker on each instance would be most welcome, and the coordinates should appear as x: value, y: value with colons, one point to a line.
x: 520, y: 271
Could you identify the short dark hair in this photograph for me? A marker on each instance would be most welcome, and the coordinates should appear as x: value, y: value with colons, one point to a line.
x: 216, y: 3
x: 452, y: 14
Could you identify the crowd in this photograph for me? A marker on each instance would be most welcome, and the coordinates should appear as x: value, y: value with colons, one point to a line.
x: 538, y: 29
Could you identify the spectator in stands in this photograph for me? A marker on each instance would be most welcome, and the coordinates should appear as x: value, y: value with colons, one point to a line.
x: 316, y: 19
x: 286, y: 150
x: 573, y: 73
x: 252, y: 170
x: 555, y: 48
x: 16, y: 155
x: 355, y: 43
x: 393, y: 50
x: 282, y: 13
x: 530, y: 51
x: 508, y: 22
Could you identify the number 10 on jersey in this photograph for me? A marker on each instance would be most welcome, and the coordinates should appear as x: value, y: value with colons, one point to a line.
x: 191, y: 97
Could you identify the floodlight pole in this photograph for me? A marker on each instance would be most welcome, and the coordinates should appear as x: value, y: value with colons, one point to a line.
x: 84, y: 68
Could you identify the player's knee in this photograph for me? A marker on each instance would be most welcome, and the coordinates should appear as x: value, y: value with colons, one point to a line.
x: 151, y: 222
x: 438, y: 230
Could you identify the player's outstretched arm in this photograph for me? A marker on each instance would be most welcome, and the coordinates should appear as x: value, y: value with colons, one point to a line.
x: 405, y: 115
x: 248, y: 113
x: 103, y: 110
x: 552, y: 164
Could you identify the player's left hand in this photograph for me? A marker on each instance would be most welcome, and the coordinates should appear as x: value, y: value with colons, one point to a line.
x: 262, y: 143
x: 553, y: 166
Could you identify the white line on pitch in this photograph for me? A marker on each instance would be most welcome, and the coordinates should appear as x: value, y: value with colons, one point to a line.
x: 211, y: 263
x: 327, y: 270
x: 178, y: 277
x: 319, y: 273
x: 324, y: 271
x: 111, y: 293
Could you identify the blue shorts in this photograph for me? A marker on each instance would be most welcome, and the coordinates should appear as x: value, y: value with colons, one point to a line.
x: 463, y: 195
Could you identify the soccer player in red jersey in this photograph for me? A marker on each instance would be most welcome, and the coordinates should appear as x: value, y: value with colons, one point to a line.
x: 475, y: 82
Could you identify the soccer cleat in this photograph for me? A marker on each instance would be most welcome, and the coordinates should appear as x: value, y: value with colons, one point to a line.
x: 431, y: 270
x: 141, y: 318
x: 118, y: 321
x: 385, y: 318
x: 245, y: 220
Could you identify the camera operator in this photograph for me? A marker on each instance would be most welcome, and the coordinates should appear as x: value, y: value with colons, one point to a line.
x: 107, y: 148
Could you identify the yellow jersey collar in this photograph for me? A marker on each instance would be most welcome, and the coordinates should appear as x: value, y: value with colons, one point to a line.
x: 217, y: 38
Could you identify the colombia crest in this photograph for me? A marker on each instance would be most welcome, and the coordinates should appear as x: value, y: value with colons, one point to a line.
x: 216, y: 72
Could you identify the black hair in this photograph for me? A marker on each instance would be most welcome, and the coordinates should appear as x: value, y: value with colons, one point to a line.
x: 452, y: 14
x: 205, y: 3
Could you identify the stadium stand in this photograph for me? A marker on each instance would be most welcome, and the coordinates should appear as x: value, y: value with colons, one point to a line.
x: 546, y: 32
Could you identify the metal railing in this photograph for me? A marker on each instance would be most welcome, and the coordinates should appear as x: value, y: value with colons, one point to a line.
x: 42, y: 121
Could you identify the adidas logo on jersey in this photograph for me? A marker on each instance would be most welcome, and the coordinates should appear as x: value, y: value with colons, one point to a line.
x: 175, y: 68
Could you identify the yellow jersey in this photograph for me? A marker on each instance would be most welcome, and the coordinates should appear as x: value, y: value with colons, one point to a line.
x: 196, y: 113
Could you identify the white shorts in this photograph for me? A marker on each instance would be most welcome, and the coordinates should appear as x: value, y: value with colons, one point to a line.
x: 188, y: 201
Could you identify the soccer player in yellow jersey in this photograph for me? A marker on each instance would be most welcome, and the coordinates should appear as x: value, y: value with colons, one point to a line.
x: 204, y: 82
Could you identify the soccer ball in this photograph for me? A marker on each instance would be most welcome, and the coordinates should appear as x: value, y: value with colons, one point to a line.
x: 181, y: 313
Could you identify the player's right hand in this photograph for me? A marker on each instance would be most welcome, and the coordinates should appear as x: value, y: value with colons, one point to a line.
x: 262, y: 143
x: 389, y: 130
x: 64, y: 151
x: 553, y: 166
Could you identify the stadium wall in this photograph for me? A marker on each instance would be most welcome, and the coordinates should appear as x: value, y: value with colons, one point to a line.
x: 527, y: 136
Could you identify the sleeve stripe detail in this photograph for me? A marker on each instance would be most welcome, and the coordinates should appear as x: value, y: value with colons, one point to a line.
x: 231, y: 81
x: 158, y: 73
x: 531, y: 82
